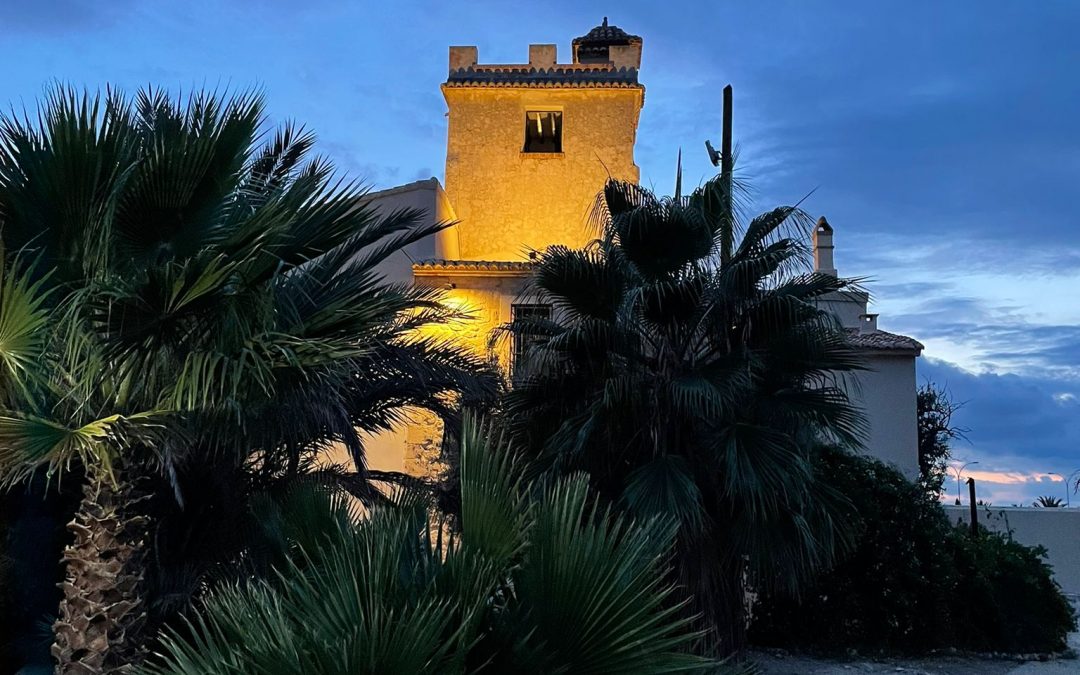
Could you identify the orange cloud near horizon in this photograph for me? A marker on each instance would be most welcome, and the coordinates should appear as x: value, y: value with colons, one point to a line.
x: 1011, y: 477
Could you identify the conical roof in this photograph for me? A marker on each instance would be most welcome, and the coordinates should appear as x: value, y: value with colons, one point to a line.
x: 606, y: 35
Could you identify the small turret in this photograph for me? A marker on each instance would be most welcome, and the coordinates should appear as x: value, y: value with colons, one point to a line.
x: 608, y: 44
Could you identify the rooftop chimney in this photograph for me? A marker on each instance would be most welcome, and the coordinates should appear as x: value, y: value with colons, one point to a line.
x: 867, y: 323
x: 823, y: 248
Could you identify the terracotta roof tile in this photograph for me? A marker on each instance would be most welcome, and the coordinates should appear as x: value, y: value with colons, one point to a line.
x: 607, y: 35
x: 568, y: 75
x: 884, y: 341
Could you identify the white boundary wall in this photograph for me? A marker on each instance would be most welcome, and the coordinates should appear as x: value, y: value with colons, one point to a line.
x: 1058, y: 530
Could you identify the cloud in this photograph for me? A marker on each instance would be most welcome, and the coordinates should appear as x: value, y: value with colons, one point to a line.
x: 960, y: 141
x: 1017, y: 429
x: 1064, y: 398
x: 1008, y: 488
x: 59, y: 16
x: 1047, y: 351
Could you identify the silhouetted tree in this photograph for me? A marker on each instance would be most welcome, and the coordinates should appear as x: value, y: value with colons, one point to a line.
x: 691, y: 385
x: 936, y: 429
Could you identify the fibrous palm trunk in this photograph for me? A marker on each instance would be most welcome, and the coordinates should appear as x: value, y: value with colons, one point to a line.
x: 719, y: 604
x: 102, y: 612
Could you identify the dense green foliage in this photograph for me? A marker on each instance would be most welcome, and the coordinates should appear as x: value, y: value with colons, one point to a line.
x: 32, y: 536
x: 201, y: 281
x: 188, y: 301
x: 914, y: 581
x: 534, y: 579
x: 1004, y: 598
x: 687, y: 382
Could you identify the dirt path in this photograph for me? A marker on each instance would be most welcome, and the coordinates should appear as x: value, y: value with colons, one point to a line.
x: 779, y: 663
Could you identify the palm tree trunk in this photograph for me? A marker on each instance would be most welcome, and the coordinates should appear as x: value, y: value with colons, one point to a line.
x: 731, y: 617
x: 102, y: 613
x: 718, y: 603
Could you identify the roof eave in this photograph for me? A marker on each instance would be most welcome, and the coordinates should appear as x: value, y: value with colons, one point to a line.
x: 890, y: 351
x: 470, y: 268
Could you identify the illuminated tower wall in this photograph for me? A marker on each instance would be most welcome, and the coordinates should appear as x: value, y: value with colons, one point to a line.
x: 529, y: 146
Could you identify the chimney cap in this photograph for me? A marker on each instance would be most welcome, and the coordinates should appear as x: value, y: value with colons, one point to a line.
x: 823, y: 226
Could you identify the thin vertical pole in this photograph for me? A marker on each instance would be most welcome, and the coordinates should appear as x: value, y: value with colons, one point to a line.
x: 974, y: 509
x: 726, y: 161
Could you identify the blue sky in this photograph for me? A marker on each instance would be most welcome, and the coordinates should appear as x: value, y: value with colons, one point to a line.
x: 942, y: 140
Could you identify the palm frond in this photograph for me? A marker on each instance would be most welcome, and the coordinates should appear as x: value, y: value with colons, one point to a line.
x: 24, y: 336
x: 494, y: 510
x: 592, y: 593
x: 28, y: 442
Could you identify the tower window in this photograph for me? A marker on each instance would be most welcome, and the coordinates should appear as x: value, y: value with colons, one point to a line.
x: 524, y: 339
x: 543, y: 131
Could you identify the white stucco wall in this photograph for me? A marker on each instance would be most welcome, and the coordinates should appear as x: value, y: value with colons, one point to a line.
x: 847, y: 306
x: 887, y: 393
x: 1058, y: 530
x: 428, y: 196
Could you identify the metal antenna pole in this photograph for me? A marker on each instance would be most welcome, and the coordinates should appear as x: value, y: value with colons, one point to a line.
x: 726, y: 167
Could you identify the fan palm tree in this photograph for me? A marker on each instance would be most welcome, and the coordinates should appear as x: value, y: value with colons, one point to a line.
x: 1046, y: 501
x: 535, y: 578
x: 180, y: 293
x: 688, y: 379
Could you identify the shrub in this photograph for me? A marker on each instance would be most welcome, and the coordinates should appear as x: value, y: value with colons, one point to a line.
x: 535, y: 579
x: 1004, y: 598
x: 913, y: 582
x: 881, y: 594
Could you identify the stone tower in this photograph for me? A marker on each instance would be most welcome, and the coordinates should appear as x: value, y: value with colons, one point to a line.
x: 530, y: 145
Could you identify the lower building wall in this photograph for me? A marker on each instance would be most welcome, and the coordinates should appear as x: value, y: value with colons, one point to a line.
x: 1056, y: 529
x: 485, y: 303
x: 887, y: 391
x: 412, y: 447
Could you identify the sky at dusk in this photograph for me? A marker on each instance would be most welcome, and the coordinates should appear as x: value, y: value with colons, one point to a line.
x: 942, y: 140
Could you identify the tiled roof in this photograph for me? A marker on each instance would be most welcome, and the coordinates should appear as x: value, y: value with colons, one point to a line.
x: 437, y: 265
x: 880, y: 340
x: 568, y: 75
x: 605, y: 34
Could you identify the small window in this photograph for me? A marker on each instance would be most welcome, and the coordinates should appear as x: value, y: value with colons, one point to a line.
x: 543, y: 131
x: 524, y: 340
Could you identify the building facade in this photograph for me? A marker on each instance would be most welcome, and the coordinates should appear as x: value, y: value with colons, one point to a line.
x: 887, y: 389
x: 529, y: 147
